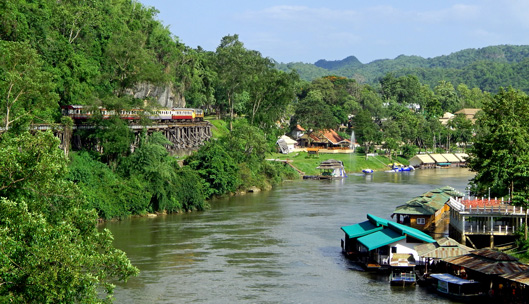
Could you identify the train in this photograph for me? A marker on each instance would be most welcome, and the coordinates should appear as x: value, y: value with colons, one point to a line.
x: 82, y: 113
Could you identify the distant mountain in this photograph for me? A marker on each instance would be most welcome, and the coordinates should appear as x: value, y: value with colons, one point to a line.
x: 350, y: 61
x: 487, y: 68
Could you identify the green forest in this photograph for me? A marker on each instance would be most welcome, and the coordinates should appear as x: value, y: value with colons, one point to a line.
x: 99, y: 53
x: 488, y: 68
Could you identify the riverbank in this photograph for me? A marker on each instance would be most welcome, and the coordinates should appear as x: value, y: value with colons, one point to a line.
x: 353, y: 162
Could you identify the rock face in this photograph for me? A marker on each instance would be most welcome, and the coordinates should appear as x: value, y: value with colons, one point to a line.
x: 165, y: 95
x: 254, y: 189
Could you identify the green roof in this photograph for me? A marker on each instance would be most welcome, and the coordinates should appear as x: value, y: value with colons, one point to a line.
x: 361, y: 229
x: 380, y: 238
x: 415, y: 208
x: 429, y: 202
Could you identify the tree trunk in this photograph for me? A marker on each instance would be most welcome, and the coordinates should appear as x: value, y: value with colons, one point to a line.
x: 231, y: 112
x: 525, y: 234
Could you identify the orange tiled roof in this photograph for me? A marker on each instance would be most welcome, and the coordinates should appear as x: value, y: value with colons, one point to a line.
x: 299, y: 128
x: 328, y: 135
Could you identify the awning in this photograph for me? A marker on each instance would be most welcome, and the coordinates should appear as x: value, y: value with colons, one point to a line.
x: 361, y: 229
x: 380, y: 238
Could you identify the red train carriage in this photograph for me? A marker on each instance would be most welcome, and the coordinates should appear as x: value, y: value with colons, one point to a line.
x: 183, y: 114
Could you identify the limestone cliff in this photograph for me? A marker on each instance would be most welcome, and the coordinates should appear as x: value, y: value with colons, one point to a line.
x: 165, y: 95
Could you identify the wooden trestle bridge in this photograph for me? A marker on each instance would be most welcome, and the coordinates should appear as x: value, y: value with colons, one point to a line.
x: 184, y: 136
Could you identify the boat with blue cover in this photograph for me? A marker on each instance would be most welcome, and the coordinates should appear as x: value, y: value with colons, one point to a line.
x: 396, y: 167
x: 367, y: 171
x: 457, y: 288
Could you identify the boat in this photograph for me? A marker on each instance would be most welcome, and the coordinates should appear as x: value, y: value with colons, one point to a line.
x: 331, y: 169
x: 402, y: 266
x: 456, y: 288
x: 395, y: 167
x: 367, y: 171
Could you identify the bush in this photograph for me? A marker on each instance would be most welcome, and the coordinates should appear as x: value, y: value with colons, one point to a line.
x: 105, y: 191
x: 409, y: 151
x: 190, y: 191
x: 216, y: 168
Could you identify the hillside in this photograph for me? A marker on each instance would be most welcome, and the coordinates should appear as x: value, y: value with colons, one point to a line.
x: 487, y: 68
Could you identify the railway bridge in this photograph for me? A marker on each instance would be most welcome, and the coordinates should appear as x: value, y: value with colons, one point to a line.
x: 184, y: 136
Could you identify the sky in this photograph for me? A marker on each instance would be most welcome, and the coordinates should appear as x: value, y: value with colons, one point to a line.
x: 309, y: 30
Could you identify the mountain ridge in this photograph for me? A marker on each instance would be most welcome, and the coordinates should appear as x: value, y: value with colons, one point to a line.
x: 499, y: 66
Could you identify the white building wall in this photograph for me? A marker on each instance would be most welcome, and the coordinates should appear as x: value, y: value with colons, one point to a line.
x: 404, y: 247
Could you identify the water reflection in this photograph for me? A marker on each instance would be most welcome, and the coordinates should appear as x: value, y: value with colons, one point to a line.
x: 280, y: 246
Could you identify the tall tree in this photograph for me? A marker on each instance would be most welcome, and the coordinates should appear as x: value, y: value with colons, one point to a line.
x: 25, y: 88
x: 501, y: 147
x: 270, y: 93
x: 312, y: 113
x: 447, y: 96
x: 234, y: 64
x: 462, y: 129
x: 366, y: 130
x: 405, y: 89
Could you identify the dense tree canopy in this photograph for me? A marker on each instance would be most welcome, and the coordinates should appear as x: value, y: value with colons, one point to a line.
x: 26, y: 89
x: 500, y: 152
x: 51, y: 248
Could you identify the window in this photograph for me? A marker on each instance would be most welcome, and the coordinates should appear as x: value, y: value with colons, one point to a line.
x: 393, y: 249
x: 421, y: 221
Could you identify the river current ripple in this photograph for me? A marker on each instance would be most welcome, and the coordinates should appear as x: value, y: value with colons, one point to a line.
x: 278, y: 246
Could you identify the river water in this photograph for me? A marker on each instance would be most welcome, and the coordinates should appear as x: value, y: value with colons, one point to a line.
x: 279, y: 246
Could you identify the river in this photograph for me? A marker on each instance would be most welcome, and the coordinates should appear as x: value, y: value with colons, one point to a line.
x: 278, y: 246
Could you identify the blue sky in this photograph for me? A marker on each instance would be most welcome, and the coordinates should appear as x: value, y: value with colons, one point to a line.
x: 306, y: 31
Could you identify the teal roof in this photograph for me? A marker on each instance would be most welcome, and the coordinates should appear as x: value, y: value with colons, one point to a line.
x: 380, y: 238
x: 361, y: 229
x: 377, y: 220
x: 415, y: 233
x: 377, y: 232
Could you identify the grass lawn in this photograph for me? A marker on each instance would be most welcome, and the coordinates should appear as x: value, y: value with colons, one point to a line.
x: 354, y: 162
x: 220, y: 127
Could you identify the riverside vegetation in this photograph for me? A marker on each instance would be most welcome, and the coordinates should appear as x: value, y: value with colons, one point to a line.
x: 97, y: 53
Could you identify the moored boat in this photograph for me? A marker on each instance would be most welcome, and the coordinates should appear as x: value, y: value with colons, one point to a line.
x: 367, y: 171
x: 402, y: 267
x: 331, y: 169
x: 456, y: 288
x: 400, y: 168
